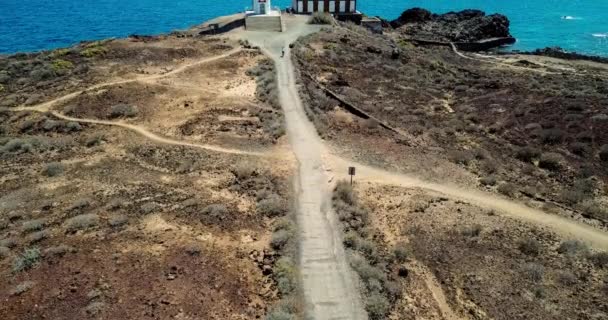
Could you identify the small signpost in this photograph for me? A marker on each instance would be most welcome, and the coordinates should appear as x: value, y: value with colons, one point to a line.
x: 351, y: 173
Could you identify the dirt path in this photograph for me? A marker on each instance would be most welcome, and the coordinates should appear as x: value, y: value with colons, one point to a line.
x: 330, y: 288
x: 156, y: 138
x: 561, y: 225
x: 434, y: 288
x: 48, y: 104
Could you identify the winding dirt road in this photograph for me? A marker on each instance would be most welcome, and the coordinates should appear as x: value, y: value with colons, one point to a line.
x: 561, y: 225
x: 47, y: 105
x: 156, y: 138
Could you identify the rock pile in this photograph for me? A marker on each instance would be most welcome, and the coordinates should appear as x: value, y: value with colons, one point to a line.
x: 463, y: 26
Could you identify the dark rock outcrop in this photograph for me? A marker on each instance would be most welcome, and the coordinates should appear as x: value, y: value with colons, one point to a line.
x: 557, y: 52
x: 414, y: 15
x: 463, y: 26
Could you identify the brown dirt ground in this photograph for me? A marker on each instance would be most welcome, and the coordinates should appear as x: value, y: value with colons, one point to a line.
x: 153, y: 251
x: 455, y: 275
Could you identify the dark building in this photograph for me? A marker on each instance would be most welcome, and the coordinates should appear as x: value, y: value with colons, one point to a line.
x: 331, y: 6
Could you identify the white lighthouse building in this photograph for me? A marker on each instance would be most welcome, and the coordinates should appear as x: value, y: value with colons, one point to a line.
x: 262, y: 6
x: 263, y: 17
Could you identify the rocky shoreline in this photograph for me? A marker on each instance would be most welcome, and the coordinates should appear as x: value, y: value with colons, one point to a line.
x: 472, y: 30
x: 557, y: 52
x: 463, y: 26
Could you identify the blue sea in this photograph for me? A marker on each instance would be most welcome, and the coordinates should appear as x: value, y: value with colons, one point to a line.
x: 33, y: 25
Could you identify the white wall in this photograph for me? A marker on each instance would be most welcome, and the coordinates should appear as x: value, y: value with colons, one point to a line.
x: 257, y: 6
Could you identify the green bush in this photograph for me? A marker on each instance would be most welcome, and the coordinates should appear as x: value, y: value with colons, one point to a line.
x: 52, y: 125
x: 117, y: 221
x: 53, y: 169
x: 93, y: 51
x: 244, y: 171
x: 148, y: 207
x: 280, y: 315
x: 572, y: 197
x: 369, y: 249
x: 551, y: 161
x: 533, y: 271
x: 366, y: 271
x: 8, y: 242
x: 59, y: 53
x: 280, y: 239
x: 351, y: 240
x: 599, y: 259
x: 38, y: 236
x: 116, y: 203
x: 33, y: 225
x: 594, y: 210
x: 73, y: 126
x: 579, y: 148
x: 28, y: 259
x: 552, y: 136
x: 507, y: 189
x: 572, y: 247
x: 80, y: 222
x: 61, y: 65
x: 472, y: 231
x: 79, y: 204
x: 57, y: 251
x: 400, y: 252
x: 42, y: 73
x: 603, y: 154
x: 529, y: 246
x: 320, y: 18
x: 26, y: 125
x: 567, y: 278
x: 4, y: 252
x: 377, y: 306
x: 22, y: 288
x: 94, y: 140
x: 123, y: 111
x: 274, y: 206
x: 488, y: 181
x: 286, y: 275
x: 217, y: 211
x: 527, y: 154
x: 461, y: 157
x: 345, y: 192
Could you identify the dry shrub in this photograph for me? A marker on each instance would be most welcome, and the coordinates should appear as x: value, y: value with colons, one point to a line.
x: 551, y: 161
x: 530, y: 246
x: 534, y: 272
x: 320, y: 18
x: 527, y: 154
x: 81, y: 222
x: 507, y: 189
x: 53, y: 169
x: 273, y: 206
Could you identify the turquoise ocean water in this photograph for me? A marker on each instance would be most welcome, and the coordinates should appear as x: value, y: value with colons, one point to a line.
x: 32, y: 25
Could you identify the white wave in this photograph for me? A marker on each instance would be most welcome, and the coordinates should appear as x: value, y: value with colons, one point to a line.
x: 571, y: 18
x: 600, y: 35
